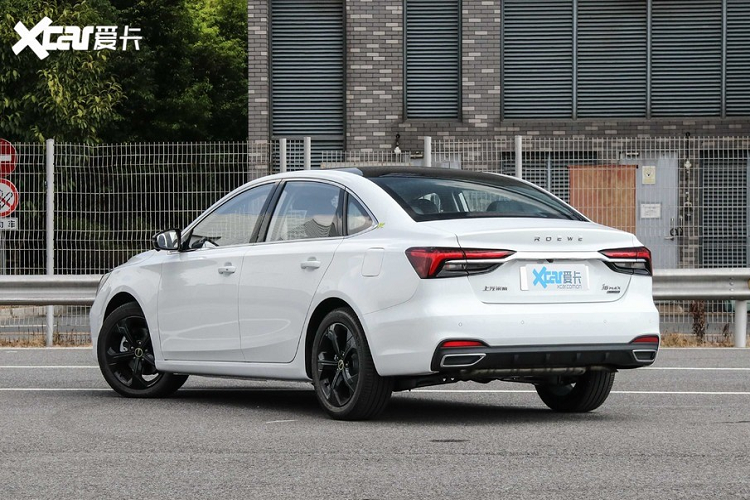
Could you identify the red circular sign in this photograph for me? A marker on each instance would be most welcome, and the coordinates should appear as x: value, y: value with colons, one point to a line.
x: 8, y: 197
x: 7, y: 158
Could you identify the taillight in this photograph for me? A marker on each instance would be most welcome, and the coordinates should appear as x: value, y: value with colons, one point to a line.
x: 629, y: 260
x: 462, y: 343
x: 646, y: 339
x: 434, y: 262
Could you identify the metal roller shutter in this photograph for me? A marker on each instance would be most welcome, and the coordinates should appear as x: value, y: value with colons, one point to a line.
x: 537, y: 59
x: 612, y: 58
x: 738, y: 58
x: 686, y: 58
x: 308, y: 71
x: 433, y: 79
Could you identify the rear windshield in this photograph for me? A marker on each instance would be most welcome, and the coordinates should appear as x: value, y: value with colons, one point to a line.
x: 427, y: 198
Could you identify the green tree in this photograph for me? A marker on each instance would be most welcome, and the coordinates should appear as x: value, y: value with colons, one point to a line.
x: 70, y: 95
x: 189, y: 80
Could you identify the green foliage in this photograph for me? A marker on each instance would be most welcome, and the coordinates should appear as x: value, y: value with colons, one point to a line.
x: 188, y: 81
x: 69, y: 95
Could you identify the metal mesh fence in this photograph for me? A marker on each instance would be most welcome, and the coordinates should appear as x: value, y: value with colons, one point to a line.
x: 686, y: 198
x: 109, y: 201
x: 377, y: 158
x: 22, y: 249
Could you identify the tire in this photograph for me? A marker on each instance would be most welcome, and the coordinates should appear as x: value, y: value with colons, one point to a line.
x: 585, y: 394
x: 346, y: 383
x: 126, y: 356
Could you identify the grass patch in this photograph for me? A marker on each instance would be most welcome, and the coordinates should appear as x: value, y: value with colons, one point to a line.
x: 690, y: 340
x: 22, y: 342
x: 64, y: 340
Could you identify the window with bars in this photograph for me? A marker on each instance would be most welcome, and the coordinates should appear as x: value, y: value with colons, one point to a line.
x: 726, y: 201
x: 432, y: 69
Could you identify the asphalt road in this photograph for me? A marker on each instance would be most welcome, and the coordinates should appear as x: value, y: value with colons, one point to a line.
x: 678, y: 430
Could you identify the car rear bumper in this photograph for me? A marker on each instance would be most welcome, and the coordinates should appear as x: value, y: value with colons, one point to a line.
x: 528, y: 358
x: 404, y: 339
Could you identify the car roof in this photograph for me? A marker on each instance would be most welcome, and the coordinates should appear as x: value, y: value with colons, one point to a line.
x: 431, y: 172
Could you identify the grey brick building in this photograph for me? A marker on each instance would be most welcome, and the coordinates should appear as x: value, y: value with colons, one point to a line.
x: 354, y: 73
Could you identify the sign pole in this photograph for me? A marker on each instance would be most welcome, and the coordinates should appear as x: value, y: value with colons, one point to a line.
x: 50, y: 230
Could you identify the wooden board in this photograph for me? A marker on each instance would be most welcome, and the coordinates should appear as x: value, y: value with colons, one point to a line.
x: 605, y: 194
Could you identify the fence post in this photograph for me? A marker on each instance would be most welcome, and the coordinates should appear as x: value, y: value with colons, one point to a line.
x: 282, y: 155
x: 519, y: 156
x: 427, y: 161
x: 308, y: 152
x: 50, y: 230
x: 740, y: 323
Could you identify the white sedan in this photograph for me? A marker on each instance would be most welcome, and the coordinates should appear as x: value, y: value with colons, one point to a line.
x: 373, y: 280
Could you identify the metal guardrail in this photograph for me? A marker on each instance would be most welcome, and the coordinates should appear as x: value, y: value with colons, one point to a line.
x: 44, y: 290
x: 708, y: 284
x: 669, y: 284
x: 702, y: 284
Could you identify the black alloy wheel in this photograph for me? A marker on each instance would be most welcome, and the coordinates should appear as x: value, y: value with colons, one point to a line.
x: 346, y: 383
x: 126, y: 356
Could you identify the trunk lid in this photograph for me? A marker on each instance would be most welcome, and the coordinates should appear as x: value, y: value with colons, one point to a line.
x: 556, y: 261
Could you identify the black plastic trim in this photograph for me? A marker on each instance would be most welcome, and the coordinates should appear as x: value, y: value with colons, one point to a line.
x: 616, y: 356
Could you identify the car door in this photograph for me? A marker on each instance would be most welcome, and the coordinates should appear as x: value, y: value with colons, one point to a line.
x: 197, y: 300
x: 280, y: 277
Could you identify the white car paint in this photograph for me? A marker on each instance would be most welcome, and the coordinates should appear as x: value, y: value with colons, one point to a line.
x: 254, y: 322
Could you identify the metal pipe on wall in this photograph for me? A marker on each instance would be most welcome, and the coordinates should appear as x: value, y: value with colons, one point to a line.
x: 427, y: 151
x: 282, y: 155
x: 308, y: 153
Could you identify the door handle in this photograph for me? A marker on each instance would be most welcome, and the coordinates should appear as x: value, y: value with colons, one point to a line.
x: 310, y: 264
x: 228, y: 269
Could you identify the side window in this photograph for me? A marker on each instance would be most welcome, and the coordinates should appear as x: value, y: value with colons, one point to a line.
x: 305, y: 210
x: 357, y: 218
x: 233, y: 222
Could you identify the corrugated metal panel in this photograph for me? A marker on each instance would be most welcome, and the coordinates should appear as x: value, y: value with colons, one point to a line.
x: 686, y: 58
x: 612, y: 58
x: 726, y: 196
x: 308, y: 69
x: 537, y: 59
x: 433, y: 78
x: 738, y: 58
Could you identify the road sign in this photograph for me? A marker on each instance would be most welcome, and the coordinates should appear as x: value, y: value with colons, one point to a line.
x: 7, y: 157
x: 8, y: 197
x: 9, y: 224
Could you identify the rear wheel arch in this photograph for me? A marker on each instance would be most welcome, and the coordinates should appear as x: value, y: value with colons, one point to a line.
x: 321, y: 311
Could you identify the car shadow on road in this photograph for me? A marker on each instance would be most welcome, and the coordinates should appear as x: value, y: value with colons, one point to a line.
x: 441, y: 411
x: 403, y: 409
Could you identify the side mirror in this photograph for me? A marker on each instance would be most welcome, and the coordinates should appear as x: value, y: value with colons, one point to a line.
x: 167, y: 240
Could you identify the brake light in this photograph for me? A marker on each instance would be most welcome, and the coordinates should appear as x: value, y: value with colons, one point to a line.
x: 635, y: 260
x: 462, y: 343
x: 434, y: 262
x: 646, y: 339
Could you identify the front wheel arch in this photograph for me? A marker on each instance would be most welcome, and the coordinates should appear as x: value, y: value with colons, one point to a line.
x: 118, y: 300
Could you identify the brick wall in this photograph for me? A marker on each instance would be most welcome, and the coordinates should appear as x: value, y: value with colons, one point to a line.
x: 375, y: 87
x: 258, y: 71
